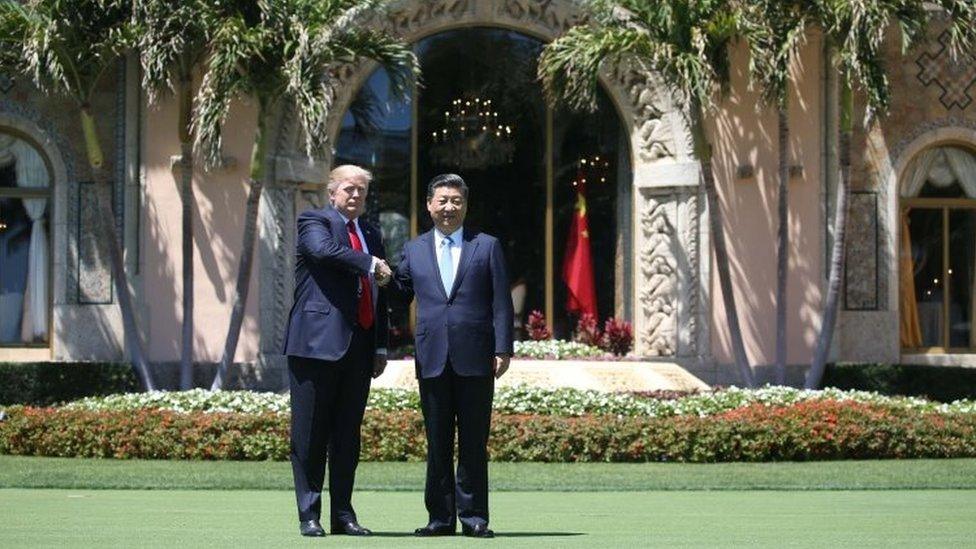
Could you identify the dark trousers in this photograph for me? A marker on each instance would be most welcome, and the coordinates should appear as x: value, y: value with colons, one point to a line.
x: 450, y: 402
x: 327, y: 404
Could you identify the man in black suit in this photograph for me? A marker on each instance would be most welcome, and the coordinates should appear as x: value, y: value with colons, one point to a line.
x: 335, y: 342
x: 463, y: 339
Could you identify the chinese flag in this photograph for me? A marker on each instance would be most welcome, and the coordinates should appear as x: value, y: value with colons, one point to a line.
x: 577, y: 264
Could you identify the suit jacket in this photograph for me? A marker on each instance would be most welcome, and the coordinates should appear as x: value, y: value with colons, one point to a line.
x: 327, y: 271
x: 469, y: 325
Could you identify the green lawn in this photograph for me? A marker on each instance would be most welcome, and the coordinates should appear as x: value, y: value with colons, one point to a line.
x: 34, y: 472
x: 110, y: 503
x: 136, y: 518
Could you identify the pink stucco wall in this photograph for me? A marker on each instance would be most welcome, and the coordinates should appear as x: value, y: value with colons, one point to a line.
x: 218, y: 227
x: 746, y: 133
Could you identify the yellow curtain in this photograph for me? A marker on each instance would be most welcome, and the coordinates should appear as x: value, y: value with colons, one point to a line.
x: 911, y: 332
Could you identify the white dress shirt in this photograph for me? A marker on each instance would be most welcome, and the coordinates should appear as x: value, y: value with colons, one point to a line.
x: 456, y: 242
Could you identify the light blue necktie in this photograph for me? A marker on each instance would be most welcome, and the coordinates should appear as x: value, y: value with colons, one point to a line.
x: 447, y: 265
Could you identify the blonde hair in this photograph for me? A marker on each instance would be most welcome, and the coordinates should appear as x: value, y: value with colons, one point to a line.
x: 346, y: 172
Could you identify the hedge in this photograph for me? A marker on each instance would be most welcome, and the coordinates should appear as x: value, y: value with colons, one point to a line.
x: 941, y: 383
x: 45, y: 383
x: 522, y: 399
x: 812, y: 430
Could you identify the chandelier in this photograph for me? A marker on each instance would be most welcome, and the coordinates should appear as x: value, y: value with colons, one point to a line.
x: 591, y: 169
x: 471, y: 136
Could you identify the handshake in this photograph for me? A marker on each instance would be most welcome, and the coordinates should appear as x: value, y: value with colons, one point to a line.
x: 382, y: 272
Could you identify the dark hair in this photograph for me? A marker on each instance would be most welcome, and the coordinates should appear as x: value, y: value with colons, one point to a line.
x: 452, y: 180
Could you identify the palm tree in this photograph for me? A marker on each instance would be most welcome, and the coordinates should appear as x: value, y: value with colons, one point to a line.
x: 687, y: 43
x: 779, y: 29
x: 274, y: 51
x: 65, y: 47
x: 857, y: 30
x: 172, y: 39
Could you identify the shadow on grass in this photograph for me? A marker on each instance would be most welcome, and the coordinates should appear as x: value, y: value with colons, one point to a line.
x: 497, y: 535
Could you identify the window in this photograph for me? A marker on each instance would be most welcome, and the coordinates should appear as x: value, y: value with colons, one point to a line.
x: 25, y: 203
x: 938, y: 252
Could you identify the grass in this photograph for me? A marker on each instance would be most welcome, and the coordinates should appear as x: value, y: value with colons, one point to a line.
x: 36, y: 472
x: 175, y: 518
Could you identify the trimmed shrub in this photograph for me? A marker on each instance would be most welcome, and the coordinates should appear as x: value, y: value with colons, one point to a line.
x: 522, y: 400
x: 45, y: 383
x: 941, y: 383
x: 810, y: 430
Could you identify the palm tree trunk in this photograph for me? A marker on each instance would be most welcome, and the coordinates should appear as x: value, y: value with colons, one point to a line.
x: 703, y: 150
x: 837, y: 256
x: 186, y: 197
x: 247, y: 249
x: 782, y: 244
x: 120, y: 279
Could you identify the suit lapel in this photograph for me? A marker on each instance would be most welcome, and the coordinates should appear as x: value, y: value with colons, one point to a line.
x: 428, y: 243
x: 467, y: 252
x: 338, y: 226
x: 372, y: 241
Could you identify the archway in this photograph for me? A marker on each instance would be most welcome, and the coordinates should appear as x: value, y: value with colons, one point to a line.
x: 662, y: 223
x: 480, y: 113
x: 937, y: 251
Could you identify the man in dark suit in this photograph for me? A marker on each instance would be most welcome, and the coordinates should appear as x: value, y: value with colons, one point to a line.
x: 335, y: 342
x: 463, y: 339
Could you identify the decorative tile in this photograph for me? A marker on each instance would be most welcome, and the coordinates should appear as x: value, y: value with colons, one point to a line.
x: 94, y: 266
x: 861, y: 269
x: 956, y: 77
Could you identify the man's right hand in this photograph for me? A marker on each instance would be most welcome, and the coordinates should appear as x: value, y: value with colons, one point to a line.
x: 382, y: 273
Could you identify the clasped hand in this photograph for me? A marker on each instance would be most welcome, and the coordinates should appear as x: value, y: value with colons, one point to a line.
x: 382, y: 273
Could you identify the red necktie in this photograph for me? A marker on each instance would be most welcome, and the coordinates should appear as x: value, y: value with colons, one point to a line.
x: 366, y: 293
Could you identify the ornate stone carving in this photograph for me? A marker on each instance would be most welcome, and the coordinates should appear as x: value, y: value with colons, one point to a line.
x: 688, y: 272
x: 930, y: 126
x: 410, y: 16
x: 277, y: 246
x: 542, y: 12
x: 658, y: 311
x: 653, y: 129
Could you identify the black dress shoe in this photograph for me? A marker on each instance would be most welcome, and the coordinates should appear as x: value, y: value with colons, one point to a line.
x: 434, y: 530
x: 351, y: 528
x: 477, y: 531
x: 311, y: 528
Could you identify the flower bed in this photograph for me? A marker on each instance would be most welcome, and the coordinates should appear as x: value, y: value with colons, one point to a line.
x: 525, y: 400
x: 815, y: 429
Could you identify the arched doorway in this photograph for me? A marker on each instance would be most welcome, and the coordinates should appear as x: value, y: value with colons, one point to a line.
x: 937, y: 251
x: 479, y: 112
x: 26, y: 186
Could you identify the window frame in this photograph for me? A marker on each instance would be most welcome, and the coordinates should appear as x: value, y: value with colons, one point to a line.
x: 945, y: 206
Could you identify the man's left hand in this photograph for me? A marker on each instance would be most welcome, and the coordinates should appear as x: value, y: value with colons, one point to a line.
x: 379, y: 365
x: 501, y: 364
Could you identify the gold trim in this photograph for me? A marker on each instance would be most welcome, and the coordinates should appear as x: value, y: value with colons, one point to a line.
x: 937, y: 203
x: 550, y: 279
x: 945, y: 278
x: 414, y: 217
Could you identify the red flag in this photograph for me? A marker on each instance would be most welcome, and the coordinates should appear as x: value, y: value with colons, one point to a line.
x: 578, y: 264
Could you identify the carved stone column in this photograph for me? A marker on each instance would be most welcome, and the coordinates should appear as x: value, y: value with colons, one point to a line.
x: 276, y: 258
x: 671, y: 299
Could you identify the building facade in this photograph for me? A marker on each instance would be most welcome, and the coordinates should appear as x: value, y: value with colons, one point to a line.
x: 908, y: 293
